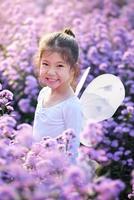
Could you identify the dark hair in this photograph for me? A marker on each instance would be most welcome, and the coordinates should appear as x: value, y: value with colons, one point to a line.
x: 63, y: 42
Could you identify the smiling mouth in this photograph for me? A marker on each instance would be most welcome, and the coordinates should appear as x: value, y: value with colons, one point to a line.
x: 51, y: 80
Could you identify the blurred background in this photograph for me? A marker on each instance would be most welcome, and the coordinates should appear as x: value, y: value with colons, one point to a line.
x: 104, y: 30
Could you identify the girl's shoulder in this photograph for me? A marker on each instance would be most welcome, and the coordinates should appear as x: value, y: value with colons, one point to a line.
x: 72, y: 108
x: 72, y: 103
x: 42, y: 93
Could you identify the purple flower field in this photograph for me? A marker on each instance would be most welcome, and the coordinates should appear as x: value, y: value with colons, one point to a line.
x: 105, y: 32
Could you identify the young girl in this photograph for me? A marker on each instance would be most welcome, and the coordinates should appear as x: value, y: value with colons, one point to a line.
x: 58, y: 108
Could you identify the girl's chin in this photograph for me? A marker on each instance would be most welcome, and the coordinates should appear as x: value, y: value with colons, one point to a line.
x: 51, y: 85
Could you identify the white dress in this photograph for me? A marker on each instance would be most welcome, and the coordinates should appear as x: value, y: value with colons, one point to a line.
x: 52, y: 121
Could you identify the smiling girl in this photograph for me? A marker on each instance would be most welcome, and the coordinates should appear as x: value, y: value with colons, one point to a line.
x: 58, y: 108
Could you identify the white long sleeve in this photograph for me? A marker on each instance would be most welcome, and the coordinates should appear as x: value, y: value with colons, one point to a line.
x: 73, y: 118
x: 53, y: 121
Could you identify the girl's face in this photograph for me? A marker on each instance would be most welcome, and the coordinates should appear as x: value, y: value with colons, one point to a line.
x: 54, y: 71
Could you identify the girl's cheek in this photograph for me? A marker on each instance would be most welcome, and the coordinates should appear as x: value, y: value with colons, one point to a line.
x: 42, y: 70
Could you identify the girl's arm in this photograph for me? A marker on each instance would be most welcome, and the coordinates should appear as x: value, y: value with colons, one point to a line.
x: 73, y: 119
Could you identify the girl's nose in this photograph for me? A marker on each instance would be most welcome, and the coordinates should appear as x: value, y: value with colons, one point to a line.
x: 51, y: 71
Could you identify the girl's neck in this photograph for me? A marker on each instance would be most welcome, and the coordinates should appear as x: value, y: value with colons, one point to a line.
x: 64, y: 91
x: 54, y: 97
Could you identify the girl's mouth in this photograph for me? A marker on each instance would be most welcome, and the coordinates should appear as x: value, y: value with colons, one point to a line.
x: 51, y: 80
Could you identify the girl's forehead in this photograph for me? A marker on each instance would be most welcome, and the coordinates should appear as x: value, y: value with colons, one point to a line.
x: 50, y: 53
x: 53, y: 55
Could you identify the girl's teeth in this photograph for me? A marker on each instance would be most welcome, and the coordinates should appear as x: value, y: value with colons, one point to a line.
x: 51, y: 79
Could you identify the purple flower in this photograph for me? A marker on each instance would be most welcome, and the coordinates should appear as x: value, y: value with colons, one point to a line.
x: 114, y: 143
x: 109, y: 189
x: 24, y: 135
x: 7, y: 94
x: 76, y: 176
x: 24, y: 105
x: 131, y: 133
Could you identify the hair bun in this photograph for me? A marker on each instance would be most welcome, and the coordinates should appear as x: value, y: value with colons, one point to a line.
x: 69, y: 32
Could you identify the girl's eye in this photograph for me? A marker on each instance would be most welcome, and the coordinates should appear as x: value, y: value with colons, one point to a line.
x: 44, y: 64
x: 60, y: 65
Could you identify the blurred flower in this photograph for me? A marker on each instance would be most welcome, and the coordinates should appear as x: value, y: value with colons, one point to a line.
x: 24, y: 105
x: 108, y: 189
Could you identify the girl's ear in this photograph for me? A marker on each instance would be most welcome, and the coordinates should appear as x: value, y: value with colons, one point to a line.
x: 71, y: 75
x: 74, y: 73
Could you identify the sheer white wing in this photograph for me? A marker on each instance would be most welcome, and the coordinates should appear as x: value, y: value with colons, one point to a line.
x: 82, y: 81
x: 102, y: 97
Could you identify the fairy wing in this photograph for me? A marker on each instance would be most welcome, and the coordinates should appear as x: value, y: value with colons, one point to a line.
x: 102, y: 97
x: 82, y: 81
